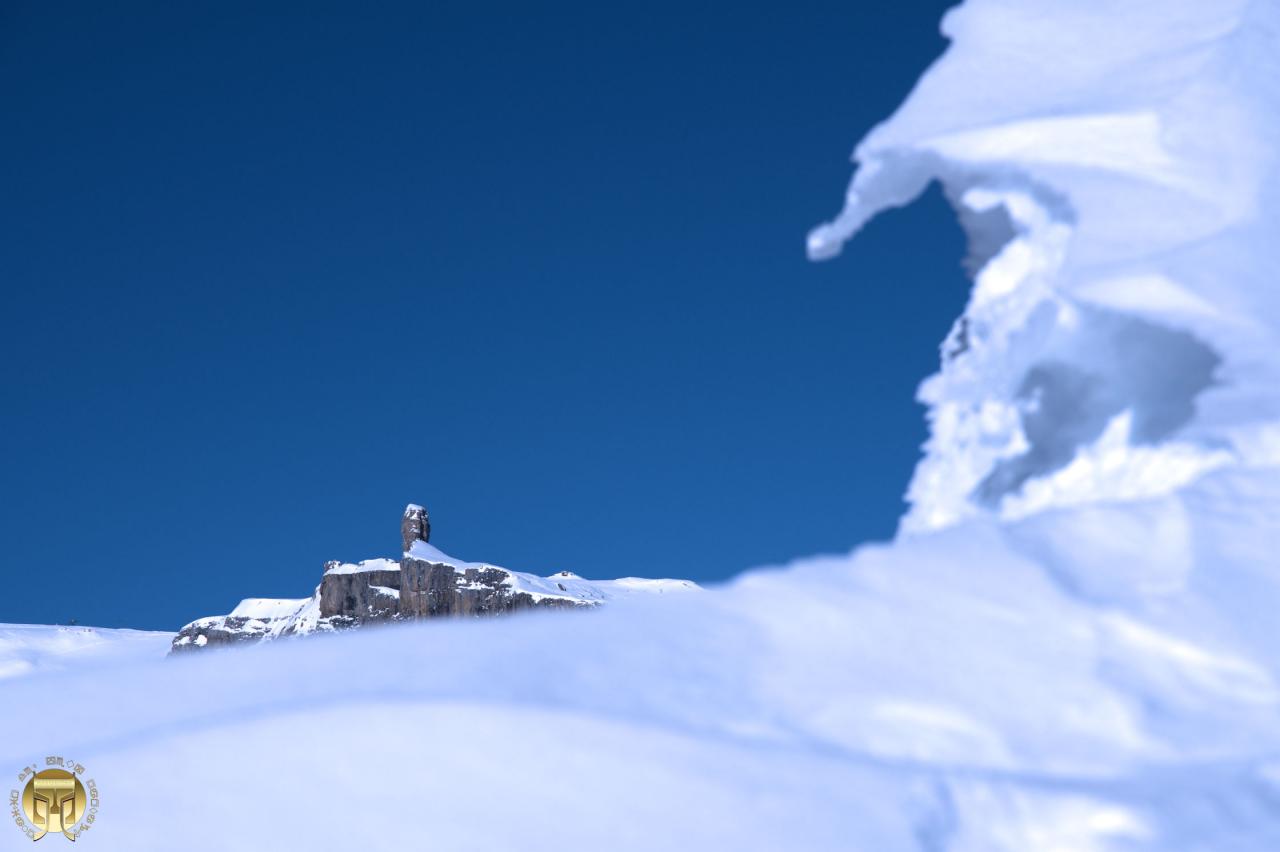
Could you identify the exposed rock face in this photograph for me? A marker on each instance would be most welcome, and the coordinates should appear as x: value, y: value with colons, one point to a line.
x: 218, y: 630
x: 414, y: 526
x: 255, y: 620
x: 431, y: 589
x: 367, y: 590
x: 425, y: 583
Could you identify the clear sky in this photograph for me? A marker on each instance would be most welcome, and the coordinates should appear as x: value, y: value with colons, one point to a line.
x: 271, y: 271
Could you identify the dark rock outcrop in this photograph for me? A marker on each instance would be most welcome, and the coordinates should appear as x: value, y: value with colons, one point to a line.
x: 366, y: 591
x: 219, y: 630
x: 433, y: 589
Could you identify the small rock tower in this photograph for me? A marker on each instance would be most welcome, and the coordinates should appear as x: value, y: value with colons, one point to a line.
x: 414, y: 526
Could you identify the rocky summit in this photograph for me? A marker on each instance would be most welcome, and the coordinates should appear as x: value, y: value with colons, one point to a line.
x: 424, y: 583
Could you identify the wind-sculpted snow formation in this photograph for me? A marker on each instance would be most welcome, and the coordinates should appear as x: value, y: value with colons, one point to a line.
x: 1071, y: 646
x: 1114, y: 167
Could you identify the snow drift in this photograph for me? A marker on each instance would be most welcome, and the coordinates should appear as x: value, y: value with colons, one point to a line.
x: 27, y: 649
x: 1071, y: 646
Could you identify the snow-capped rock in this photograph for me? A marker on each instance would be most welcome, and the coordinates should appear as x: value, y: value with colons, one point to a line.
x: 414, y: 526
x: 425, y: 583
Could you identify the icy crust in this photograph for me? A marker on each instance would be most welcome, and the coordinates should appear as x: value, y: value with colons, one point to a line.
x: 1120, y: 201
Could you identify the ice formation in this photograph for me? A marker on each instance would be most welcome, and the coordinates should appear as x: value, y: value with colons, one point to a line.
x: 1114, y: 167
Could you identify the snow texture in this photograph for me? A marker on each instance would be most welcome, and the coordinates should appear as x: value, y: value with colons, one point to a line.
x: 1072, y: 644
x: 564, y: 584
x: 361, y: 566
x: 267, y: 608
x: 1114, y: 166
x: 27, y: 649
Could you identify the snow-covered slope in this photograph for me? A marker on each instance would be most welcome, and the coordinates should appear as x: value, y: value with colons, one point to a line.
x: 1072, y: 645
x: 27, y: 649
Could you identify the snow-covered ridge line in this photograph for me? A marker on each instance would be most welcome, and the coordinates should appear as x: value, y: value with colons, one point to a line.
x: 425, y: 583
x: 27, y: 649
x: 563, y: 584
x: 361, y: 566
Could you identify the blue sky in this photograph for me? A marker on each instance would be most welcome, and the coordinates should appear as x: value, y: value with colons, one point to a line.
x: 270, y: 275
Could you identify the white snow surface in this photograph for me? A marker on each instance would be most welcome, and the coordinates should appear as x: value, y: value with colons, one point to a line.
x: 430, y: 553
x: 1072, y: 644
x: 30, y: 649
x: 362, y: 566
x: 267, y: 608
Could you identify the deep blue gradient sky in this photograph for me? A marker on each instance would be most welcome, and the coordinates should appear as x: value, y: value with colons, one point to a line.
x: 272, y: 271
